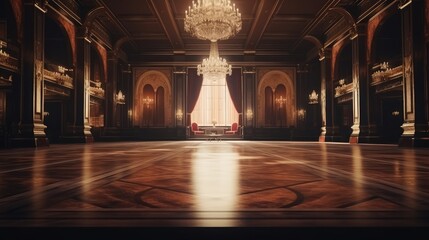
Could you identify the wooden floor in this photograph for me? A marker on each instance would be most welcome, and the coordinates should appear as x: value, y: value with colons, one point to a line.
x: 214, y: 190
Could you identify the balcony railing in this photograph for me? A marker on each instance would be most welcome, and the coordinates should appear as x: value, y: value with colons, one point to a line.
x: 384, y: 73
x: 8, y: 57
x: 96, y: 90
x: 389, y: 74
x: 343, y: 88
x: 59, y: 75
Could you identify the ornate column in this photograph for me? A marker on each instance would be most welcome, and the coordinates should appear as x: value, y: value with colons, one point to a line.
x: 416, y: 129
x: 326, y: 96
x: 360, y: 85
x: 111, y: 89
x: 31, y: 128
x: 80, y: 131
x: 179, y: 86
x: 179, y: 93
x: 249, y: 101
x: 128, y: 90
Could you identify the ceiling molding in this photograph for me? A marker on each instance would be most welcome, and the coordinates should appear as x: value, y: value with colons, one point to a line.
x: 316, y: 21
x: 116, y: 21
x: 292, y: 18
x: 165, y: 15
x: 264, y: 14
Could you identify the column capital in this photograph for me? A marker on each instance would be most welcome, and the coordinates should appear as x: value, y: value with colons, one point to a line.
x: 402, y: 4
x: 324, y: 53
x: 41, y: 5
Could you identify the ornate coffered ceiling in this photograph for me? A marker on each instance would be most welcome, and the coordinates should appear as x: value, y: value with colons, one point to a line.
x: 273, y: 30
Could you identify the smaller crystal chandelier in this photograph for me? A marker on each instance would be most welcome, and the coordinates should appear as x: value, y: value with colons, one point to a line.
x: 281, y: 101
x: 147, y: 101
x: 214, y: 67
x: 212, y: 19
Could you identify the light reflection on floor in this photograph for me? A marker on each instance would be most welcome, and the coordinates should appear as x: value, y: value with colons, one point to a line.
x: 213, y: 183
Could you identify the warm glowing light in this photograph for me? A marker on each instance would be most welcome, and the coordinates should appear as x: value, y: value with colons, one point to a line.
x: 249, y: 114
x: 281, y: 101
x: 120, y: 98
x: 313, y: 98
x: 212, y: 19
x: 147, y: 101
x: 214, y: 68
x: 301, y: 113
x: 215, y: 177
x: 179, y: 115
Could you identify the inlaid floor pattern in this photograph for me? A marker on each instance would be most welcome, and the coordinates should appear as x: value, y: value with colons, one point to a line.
x: 214, y: 183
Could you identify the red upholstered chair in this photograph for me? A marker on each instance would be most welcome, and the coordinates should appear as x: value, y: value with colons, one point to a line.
x: 233, y: 130
x: 195, y: 130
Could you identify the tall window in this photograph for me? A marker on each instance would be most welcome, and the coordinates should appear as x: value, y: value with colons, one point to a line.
x: 214, y: 105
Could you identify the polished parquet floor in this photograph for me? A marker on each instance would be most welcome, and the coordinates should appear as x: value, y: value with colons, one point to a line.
x: 200, y: 189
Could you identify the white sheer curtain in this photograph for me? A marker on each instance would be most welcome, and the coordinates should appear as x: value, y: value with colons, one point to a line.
x: 214, y: 105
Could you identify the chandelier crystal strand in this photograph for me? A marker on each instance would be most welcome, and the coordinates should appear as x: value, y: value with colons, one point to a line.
x: 212, y: 19
x: 214, y: 67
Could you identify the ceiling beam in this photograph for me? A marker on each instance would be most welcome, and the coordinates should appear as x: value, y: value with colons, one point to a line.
x: 316, y: 20
x: 137, y: 18
x: 293, y: 18
x: 165, y: 15
x: 115, y: 20
x: 266, y: 10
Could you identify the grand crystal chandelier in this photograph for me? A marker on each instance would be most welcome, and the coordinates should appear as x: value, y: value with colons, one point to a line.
x: 212, y: 19
x: 214, y: 68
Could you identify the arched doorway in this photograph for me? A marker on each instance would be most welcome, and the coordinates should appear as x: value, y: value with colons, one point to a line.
x: 153, y: 101
x: 276, y: 102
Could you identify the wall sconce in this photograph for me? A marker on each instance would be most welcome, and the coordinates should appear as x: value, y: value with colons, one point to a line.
x: 179, y: 115
x: 281, y: 101
x: 120, y: 98
x: 313, y: 98
x: 395, y: 113
x: 301, y: 114
x: 147, y: 101
x: 249, y: 114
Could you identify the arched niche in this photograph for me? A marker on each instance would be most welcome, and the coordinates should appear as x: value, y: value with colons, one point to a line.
x: 386, y: 58
x: 58, y: 78
x: 58, y: 50
x: 9, y: 42
x: 153, y: 100
x: 272, y: 86
x: 343, y: 64
x: 342, y: 79
x: 8, y: 23
x: 386, y: 45
x: 9, y: 69
x: 97, y: 88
